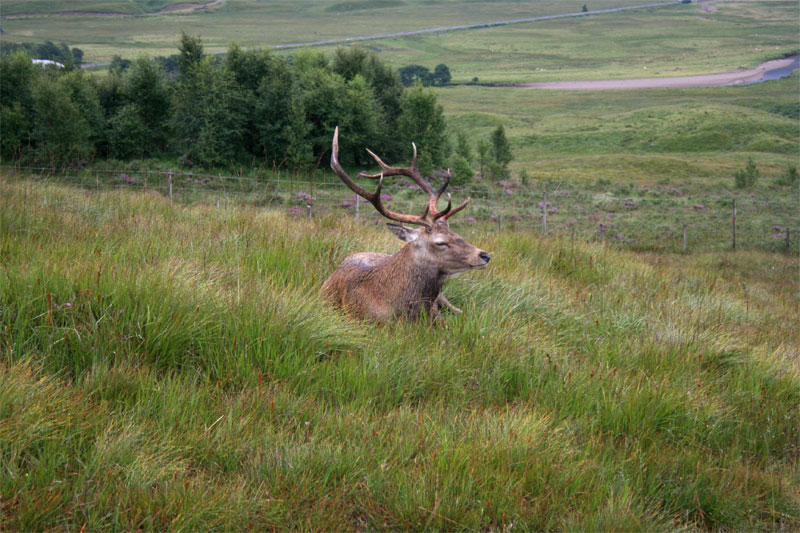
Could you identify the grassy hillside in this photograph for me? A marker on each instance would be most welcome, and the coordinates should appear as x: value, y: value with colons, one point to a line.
x: 674, y: 40
x: 690, y: 137
x: 679, y: 40
x: 45, y: 7
x: 172, y: 367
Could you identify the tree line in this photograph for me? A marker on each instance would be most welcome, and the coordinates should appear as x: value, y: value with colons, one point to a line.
x: 69, y: 57
x: 250, y: 107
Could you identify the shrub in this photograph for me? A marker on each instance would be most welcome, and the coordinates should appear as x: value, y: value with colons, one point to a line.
x: 128, y: 135
x: 747, y: 177
x: 462, y: 170
x: 789, y: 177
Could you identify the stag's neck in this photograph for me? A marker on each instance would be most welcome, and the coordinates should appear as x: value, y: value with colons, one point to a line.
x: 415, y: 283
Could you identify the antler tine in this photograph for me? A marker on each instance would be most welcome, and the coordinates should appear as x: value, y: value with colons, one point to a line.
x: 457, y: 209
x: 410, y: 172
x: 433, y: 196
x: 446, y: 210
x: 373, y: 198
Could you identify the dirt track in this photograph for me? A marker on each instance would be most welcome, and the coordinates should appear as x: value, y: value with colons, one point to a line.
x: 739, y: 77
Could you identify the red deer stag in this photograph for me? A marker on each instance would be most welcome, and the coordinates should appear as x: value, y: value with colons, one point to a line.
x: 383, y: 287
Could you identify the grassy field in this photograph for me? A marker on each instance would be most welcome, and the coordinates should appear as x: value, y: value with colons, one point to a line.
x: 49, y: 7
x: 695, y: 138
x: 171, y: 366
x: 675, y: 40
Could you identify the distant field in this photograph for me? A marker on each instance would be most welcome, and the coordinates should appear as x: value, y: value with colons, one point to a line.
x: 674, y: 40
x: 44, y: 7
x: 694, y: 137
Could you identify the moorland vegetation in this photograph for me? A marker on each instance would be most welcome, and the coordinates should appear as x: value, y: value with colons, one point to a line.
x: 166, y: 362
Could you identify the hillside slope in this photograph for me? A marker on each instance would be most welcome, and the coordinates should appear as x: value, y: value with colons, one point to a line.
x: 172, y: 367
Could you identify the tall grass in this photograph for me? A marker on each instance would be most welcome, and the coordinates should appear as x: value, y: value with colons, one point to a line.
x: 171, y: 366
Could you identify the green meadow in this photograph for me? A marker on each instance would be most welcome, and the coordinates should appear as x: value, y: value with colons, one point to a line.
x: 171, y: 366
x: 671, y: 40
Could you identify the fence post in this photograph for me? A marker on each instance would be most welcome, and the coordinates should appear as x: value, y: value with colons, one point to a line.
x: 733, y: 224
x: 544, y: 214
x: 684, y: 238
x: 308, y: 206
x: 357, y: 203
x: 169, y: 184
x: 787, y: 240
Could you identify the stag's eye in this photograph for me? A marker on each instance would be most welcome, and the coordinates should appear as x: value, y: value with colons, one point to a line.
x: 442, y: 244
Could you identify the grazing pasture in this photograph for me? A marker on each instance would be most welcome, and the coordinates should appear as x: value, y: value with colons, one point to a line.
x: 172, y: 366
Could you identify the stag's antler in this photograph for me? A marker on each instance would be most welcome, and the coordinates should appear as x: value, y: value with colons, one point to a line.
x: 432, y: 213
x: 373, y: 198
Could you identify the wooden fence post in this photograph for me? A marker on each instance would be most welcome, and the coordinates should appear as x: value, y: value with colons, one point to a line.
x: 787, y: 240
x: 684, y: 238
x: 357, y: 203
x: 544, y: 214
x: 733, y: 224
x: 169, y: 184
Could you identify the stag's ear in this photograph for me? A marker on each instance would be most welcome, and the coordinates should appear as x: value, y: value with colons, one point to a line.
x: 403, y: 233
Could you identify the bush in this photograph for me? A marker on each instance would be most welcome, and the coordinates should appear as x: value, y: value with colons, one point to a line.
x: 128, y: 135
x: 462, y: 170
x: 747, y: 177
x: 523, y: 177
x: 60, y: 133
x: 789, y: 177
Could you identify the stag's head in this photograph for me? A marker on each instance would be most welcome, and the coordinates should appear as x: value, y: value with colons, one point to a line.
x: 432, y: 244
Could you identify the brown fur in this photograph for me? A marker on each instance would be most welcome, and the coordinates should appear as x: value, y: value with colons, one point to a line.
x: 407, y: 284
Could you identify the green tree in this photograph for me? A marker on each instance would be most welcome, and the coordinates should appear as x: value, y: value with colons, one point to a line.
x: 119, y: 65
x: 414, y: 74
x: 361, y: 121
x: 441, y: 74
x: 208, y: 115
x: 748, y: 176
x: 500, y: 147
x: 273, y: 112
x: 297, y: 130
x: 385, y: 84
x: 59, y: 132
x: 128, y: 135
x: 17, y: 80
x: 323, y: 94
x: 82, y: 92
x: 422, y: 121
x: 265, y: 89
x: 145, y: 85
x: 462, y: 170
x: 308, y: 59
x: 190, y: 52
x: 463, y: 147
x: 482, y: 149
x: 500, y: 153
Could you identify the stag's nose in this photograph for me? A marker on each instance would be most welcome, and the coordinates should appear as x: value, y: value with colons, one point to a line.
x: 485, y: 256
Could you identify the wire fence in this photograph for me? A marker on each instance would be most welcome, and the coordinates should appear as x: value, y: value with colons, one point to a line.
x: 658, y: 218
